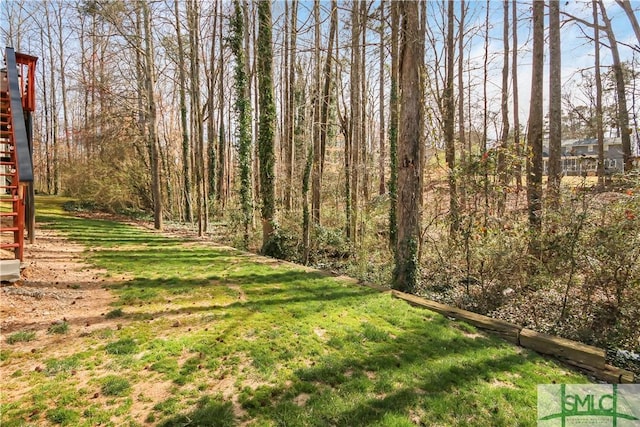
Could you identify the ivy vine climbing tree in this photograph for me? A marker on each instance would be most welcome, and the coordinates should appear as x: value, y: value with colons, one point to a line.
x: 243, y: 107
x: 266, y: 132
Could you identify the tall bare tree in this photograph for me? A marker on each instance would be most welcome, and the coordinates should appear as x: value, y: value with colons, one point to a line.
x: 55, y: 144
x: 461, y: 89
x: 633, y: 19
x: 598, y: 78
x: 503, y: 171
x: 186, y: 146
x: 381, y: 107
x: 223, y: 154
x: 289, y: 133
x: 449, y: 123
x: 67, y: 131
x: 621, y: 96
x: 197, y: 137
x: 152, y: 121
x: 215, y: 75
x: 514, y: 84
x: 316, y: 131
x: 535, y: 134
x: 356, y: 119
x: 406, y: 275
x: 393, y: 124
x: 555, y: 105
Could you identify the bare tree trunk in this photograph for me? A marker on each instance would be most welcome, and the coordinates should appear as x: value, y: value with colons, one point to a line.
x: 628, y: 9
x: 149, y: 79
x: 326, y: 91
x: 598, y: 76
x: 315, y: 169
x: 255, y: 112
x: 222, y: 192
x: 516, y: 111
x: 381, y: 83
x: 289, y: 145
x: 54, y: 122
x: 623, y: 113
x: 284, y: 99
x: 485, y: 116
x: 196, y: 112
x: 461, y: 132
x: 503, y: 171
x: 306, y: 234
x: 449, y: 125
x: 47, y: 127
x: 393, y: 126
x: 363, y: 164
x: 534, y: 137
x: 356, y: 114
x: 555, y: 105
x: 212, y: 160
x: 68, y: 134
x: 406, y: 275
x: 186, y: 152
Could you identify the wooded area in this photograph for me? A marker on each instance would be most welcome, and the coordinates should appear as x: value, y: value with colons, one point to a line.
x: 403, y: 143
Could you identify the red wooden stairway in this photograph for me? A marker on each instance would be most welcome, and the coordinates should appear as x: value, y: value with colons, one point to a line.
x: 17, y: 102
x: 11, y: 202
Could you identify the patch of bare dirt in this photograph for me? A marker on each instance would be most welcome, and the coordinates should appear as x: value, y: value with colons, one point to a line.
x: 56, y: 285
x: 497, y: 383
x: 474, y: 335
x: 320, y: 332
x: 301, y: 399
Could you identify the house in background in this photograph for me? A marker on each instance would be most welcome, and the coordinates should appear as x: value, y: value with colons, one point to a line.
x: 580, y: 156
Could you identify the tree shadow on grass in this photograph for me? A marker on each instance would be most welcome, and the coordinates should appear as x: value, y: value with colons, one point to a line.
x: 100, y: 232
x: 209, y: 412
x: 420, y: 363
x: 302, y: 292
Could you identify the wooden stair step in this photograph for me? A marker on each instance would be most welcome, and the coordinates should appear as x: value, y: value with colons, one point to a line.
x: 9, y: 245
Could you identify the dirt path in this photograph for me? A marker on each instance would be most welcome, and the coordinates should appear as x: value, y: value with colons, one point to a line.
x: 57, y: 286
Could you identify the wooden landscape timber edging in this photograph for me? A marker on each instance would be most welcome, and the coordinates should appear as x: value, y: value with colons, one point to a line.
x: 585, y: 357
x: 505, y: 330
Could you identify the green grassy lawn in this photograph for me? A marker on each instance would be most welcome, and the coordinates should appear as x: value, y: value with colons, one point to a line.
x: 211, y: 336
